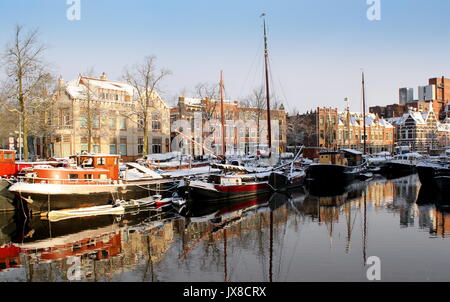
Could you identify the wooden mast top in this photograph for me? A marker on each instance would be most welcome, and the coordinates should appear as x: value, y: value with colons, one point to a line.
x: 266, y: 65
x: 222, y: 117
x: 364, y: 112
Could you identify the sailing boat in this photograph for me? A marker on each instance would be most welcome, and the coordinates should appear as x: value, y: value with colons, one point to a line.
x: 244, y: 184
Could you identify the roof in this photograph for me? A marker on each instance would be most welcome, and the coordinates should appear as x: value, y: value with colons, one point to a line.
x: 352, y: 151
x: 78, y: 88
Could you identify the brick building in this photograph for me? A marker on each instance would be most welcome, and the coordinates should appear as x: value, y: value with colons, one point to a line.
x: 245, y: 128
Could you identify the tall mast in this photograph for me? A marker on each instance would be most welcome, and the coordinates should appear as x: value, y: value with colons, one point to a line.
x: 222, y: 117
x: 364, y: 112
x: 266, y: 66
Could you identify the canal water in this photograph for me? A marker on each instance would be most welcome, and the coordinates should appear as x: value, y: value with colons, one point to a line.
x: 301, y: 236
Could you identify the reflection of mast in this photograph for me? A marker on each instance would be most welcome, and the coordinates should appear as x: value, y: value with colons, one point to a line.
x: 348, y: 210
x: 271, y: 247
x: 365, y: 228
x: 225, y: 254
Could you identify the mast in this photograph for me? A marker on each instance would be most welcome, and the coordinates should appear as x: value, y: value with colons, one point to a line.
x: 266, y: 67
x: 222, y: 118
x: 364, y: 112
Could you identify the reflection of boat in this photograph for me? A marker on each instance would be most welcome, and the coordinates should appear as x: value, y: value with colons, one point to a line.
x: 83, y: 212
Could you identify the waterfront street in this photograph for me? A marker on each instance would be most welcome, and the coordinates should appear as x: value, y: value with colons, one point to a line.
x: 314, y: 239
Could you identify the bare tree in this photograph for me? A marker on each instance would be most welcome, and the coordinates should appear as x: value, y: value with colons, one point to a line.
x: 145, y: 79
x: 26, y: 71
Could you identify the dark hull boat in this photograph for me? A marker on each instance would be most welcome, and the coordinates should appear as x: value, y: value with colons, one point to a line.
x: 401, y: 165
x: 429, y: 172
x: 333, y: 174
x: 45, y: 197
x: 211, y: 192
x: 279, y: 181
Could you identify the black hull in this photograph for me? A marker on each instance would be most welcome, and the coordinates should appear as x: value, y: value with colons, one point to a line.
x: 394, y: 170
x: 200, y: 195
x: 332, y: 174
x: 281, y: 183
x: 44, y: 202
x: 429, y: 175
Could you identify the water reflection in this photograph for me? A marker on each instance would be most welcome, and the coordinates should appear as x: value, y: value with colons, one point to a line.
x: 299, y: 236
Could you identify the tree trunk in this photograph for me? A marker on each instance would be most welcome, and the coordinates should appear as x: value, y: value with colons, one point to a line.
x: 145, y: 147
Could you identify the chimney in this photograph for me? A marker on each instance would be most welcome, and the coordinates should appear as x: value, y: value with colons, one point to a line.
x: 103, y: 76
x: 61, y: 82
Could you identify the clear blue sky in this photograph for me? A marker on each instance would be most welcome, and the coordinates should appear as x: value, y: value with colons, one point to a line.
x: 317, y: 48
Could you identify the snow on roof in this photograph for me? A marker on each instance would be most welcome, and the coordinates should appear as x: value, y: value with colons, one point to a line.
x: 78, y: 88
x: 352, y: 151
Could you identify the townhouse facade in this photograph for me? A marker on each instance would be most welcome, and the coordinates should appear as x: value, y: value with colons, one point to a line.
x: 114, y: 116
x: 245, y: 127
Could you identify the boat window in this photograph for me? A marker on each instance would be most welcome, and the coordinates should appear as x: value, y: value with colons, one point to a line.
x: 73, y: 177
x: 103, y: 176
x: 7, y: 156
x: 101, y: 161
x: 88, y: 176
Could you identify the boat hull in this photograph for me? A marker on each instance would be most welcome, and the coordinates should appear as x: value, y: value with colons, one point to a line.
x: 47, y: 197
x: 226, y: 193
x: 281, y: 182
x: 332, y: 174
x: 393, y: 169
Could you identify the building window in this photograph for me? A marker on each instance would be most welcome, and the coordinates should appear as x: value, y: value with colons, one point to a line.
x: 83, y: 121
x: 140, y: 145
x: 95, y: 121
x: 65, y: 117
x: 156, y: 145
x: 112, y: 123
x: 112, y: 146
x: 123, y: 146
x: 123, y: 123
x: 84, y: 144
x: 156, y: 122
x: 140, y: 121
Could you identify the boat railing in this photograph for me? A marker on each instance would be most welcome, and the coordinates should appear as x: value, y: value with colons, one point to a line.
x: 60, y: 181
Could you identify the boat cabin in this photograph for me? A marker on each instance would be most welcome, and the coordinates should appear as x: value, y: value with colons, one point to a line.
x: 7, y: 163
x: 225, y: 180
x: 108, y: 162
x: 343, y: 158
x: 69, y: 176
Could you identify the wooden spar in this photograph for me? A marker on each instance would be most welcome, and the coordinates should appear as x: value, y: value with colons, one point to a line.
x: 364, y: 112
x: 266, y: 63
x: 222, y: 117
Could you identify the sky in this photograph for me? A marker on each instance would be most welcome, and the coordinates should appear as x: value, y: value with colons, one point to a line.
x: 317, y: 48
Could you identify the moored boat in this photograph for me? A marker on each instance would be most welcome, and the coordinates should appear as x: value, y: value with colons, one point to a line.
x: 336, y: 167
x: 91, y: 180
x: 402, y: 165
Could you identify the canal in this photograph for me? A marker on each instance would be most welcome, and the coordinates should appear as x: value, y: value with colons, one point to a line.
x: 300, y: 237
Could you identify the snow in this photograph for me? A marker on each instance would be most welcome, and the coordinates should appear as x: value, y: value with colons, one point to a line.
x: 352, y: 151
